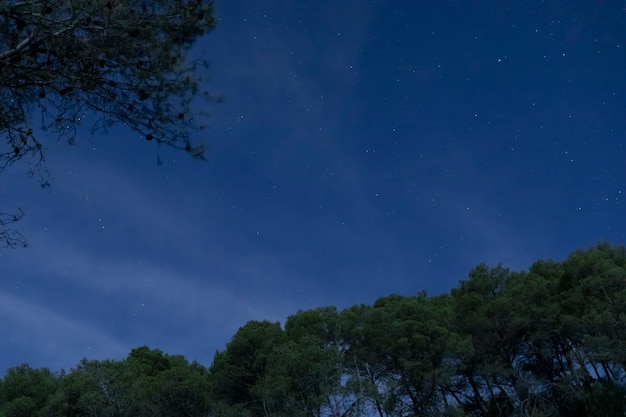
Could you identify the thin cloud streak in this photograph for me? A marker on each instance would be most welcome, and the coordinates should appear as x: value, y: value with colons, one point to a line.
x: 31, y: 327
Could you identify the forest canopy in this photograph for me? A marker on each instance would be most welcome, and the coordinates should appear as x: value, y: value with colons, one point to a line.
x: 550, y: 341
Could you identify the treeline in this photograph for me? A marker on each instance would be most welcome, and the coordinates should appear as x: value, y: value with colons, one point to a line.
x: 550, y: 341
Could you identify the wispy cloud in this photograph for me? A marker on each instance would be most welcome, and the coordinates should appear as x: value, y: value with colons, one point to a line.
x: 59, y: 340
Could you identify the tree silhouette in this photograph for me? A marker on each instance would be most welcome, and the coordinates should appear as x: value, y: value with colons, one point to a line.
x: 122, y: 62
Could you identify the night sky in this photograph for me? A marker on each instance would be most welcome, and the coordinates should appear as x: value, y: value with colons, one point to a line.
x: 362, y: 149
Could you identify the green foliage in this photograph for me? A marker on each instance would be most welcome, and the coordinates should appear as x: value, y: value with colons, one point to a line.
x: 546, y: 342
x: 237, y: 371
x: 25, y: 391
x: 304, y: 373
x: 147, y: 383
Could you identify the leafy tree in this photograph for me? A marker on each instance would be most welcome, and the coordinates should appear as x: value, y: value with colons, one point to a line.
x: 414, y: 350
x: 322, y: 325
x: 182, y: 390
x: 237, y: 371
x: 25, y: 391
x: 596, y: 293
x: 302, y: 379
x: 92, y: 389
x: 532, y: 299
x: 119, y: 61
x: 592, y: 299
x: 304, y: 374
x: 485, y: 317
x: 396, y: 354
x: 148, y: 383
x: 363, y: 336
x: 162, y: 385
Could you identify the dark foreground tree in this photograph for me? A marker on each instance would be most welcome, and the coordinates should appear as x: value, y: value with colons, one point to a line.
x: 116, y: 61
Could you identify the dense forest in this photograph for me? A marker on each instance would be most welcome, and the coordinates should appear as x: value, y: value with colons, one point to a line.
x: 550, y: 341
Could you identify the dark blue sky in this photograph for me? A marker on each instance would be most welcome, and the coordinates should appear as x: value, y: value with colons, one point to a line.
x: 363, y: 148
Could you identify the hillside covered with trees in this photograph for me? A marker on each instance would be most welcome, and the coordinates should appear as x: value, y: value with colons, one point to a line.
x: 550, y: 341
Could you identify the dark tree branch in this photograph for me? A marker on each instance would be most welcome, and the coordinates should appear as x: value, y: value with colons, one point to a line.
x: 11, y: 238
x: 123, y: 62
